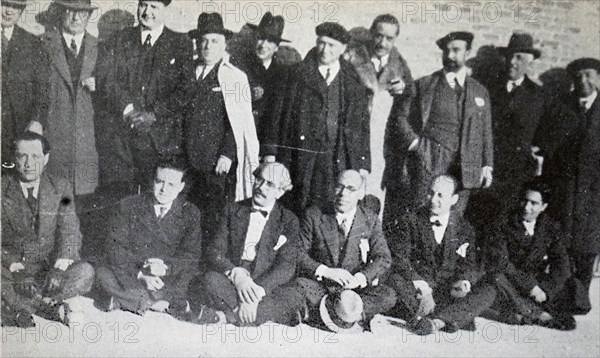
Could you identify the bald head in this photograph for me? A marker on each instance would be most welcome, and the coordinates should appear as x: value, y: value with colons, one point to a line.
x: 349, y: 190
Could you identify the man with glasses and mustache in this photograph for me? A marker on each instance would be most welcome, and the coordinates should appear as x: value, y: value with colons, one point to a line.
x: 73, y: 52
x: 151, y: 67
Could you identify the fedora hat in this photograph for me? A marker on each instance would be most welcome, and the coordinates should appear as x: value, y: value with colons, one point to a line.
x: 166, y: 2
x: 520, y: 42
x: 457, y: 35
x: 270, y: 28
x: 15, y: 3
x: 78, y: 5
x: 583, y: 64
x: 341, y: 312
x: 210, y: 23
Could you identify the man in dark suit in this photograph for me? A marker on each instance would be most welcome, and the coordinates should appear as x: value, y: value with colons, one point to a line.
x: 252, y: 257
x: 319, y: 126
x: 41, y: 240
x: 518, y: 105
x: 151, y: 68
x: 343, y: 248
x: 24, y: 79
x: 153, y: 247
x: 449, y: 127
x: 435, y: 271
x: 529, y: 261
x: 571, y: 161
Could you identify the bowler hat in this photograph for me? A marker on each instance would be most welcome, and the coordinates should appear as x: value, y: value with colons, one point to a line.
x: 209, y: 23
x: 334, y: 31
x: 166, y: 2
x: 583, y: 64
x: 78, y: 5
x: 270, y: 27
x: 458, y: 35
x: 520, y: 42
x: 341, y: 312
x: 15, y: 3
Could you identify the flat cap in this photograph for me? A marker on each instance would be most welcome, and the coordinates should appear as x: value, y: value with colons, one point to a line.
x: 458, y: 35
x: 334, y: 31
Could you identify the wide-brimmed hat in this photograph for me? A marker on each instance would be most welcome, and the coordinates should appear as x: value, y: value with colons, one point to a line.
x: 583, y: 64
x: 457, y: 35
x: 270, y: 28
x: 15, y: 3
x: 341, y: 312
x: 210, y: 23
x: 520, y: 42
x: 78, y: 5
x: 166, y: 2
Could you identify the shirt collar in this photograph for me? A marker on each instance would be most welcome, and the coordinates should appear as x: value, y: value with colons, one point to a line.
x: 157, y: 207
x: 461, y: 76
x: 443, y: 219
x: 78, y: 39
x: 529, y: 226
x: 334, y: 68
x: 589, y: 100
x: 267, y: 64
x: 348, y: 216
x: 380, y: 62
x: 35, y: 185
x: 268, y: 209
x: 156, y: 32
x: 8, y: 32
x: 517, y: 82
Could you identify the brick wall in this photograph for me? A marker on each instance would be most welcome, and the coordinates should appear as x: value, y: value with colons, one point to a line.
x: 563, y: 30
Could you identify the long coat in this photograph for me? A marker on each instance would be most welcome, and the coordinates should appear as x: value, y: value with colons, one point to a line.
x: 275, y: 262
x: 476, y: 144
x: 136, y: 234
x: 57, y: 234
x: 296, y: 131
x: 573, y: 167
x: 70, y: 127
x: 24, y: 86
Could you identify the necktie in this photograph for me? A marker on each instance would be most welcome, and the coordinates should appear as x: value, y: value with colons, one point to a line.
x: 328, y: 76
x: 435, y: 222
x: 74, y: 47
x: 148, y: 41
x: 162, y: 211
x: 202, y: 73
x: 4, y: 42
x: 257, y: 210
x: 457, y: 87
x: 31, y: 200
x: 343, y: 226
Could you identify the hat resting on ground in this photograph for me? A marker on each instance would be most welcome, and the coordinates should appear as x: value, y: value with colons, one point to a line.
x: 342, y: 312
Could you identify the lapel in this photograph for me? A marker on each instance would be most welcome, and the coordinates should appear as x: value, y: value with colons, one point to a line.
x: 469, y: 105
x: 329, y: 232
x: 90, y: 54
x: 357, y: 231
x: 17, y: 210
x: 268, y: 240
x: 148, y: 218
x: 451, y: 239
x: 313, y: 79
x: 54, y: 45
x: 429, y: 244
x: 429, y: 94
x: 48, y: 201
x: 391, y: 70
x: 241, y: 228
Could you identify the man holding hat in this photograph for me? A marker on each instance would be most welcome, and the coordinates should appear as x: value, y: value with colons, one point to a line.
x: 518, y: 105
x: 24, y: 80
x: 572, y: 158
x: 343, y: 248
x: 219, y: 132
x: 449, y: 127
x: 319, y: 126
x: 73, y: 52
x: 266, y: 73
x: 151, y: 67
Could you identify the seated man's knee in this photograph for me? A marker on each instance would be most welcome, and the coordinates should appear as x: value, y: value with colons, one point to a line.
x: 81, y: 274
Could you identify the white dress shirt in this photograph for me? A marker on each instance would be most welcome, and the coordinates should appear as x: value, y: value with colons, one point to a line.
x: 158, y: 207
x: 461, y: 75
x: 588, y: 101
x: 267, y: 63
x: 203, y: 70
x: 78, y: 40
x: 511, y: 85
x: 380, y: 63
x: 8, y: 32
x: 35, y: 185
x: 334, y: 68
x: 347, y: 218
x: 154, y: 32
x: 439, y: 231
x: 529, y: 227
x: 254, y: 233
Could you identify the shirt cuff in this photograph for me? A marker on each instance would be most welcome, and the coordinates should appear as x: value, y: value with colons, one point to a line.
x: 237, y: 275
x: 362, y: 279
x: 128, y: 109
x: 467, y: 284
x: 320, y: 271
x: 413, y: 145
x: 63, y: 264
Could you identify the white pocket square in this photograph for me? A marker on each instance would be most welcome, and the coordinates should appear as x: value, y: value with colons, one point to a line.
x: 479, y: 101
x: 216, y: 89
x: 364, y: 249
x: 172, y: 61
x: 462, y: 250
x: 280, y: 242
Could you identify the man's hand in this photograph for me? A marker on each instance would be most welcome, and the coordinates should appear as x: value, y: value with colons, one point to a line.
x: 486, y: 177
x: 339, y: 275
x: 536, y: 154
x: 223, y: 165
x: 269, y: 159
x: 460, y: 289
x: 422, y: 287
x: 141, y: 121
x: 90, y: 84
x: 426, y: 305
x: 396, y: 86
x: 16, y: 267
x: 249, y: 292
x: 538, y: 294
x: 152, y: 283
x: 247, y: 312
x: 358, y: 280
x: 257, y: 92
x: 156, y: 267
x: 35, y: 127
x: 63, y: 264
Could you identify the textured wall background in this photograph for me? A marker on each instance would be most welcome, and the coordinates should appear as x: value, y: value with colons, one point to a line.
x: 563, y: 30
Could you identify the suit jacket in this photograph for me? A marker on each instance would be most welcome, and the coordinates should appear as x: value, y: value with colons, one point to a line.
x: 136, y: 234
x: 272, y: 268
x: 157, y: 86
x: 414, y: 247
x: 573, y: 167
x: 57, y: 234
x: 24, y: 86
x: 321, y: 245
x: 524, y: 259
x: 476, y: 145
x: 70, y: 127
x: 516, y: 117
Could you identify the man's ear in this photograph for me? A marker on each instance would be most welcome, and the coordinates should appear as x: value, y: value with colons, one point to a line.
x: 181, y: 187
x: 46, y: 158
x: 454, y: 199
x: 544, y: 206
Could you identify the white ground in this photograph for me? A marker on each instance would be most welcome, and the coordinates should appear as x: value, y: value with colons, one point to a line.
x: 123, y: 334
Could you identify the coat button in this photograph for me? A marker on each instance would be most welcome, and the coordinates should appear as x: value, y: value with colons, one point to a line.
x: 302, y: 137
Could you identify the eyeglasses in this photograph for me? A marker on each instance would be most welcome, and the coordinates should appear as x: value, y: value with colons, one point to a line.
x: 341, y: 187
x: 82, y: 14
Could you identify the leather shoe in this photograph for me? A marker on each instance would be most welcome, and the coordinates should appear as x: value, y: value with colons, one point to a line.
x: 560, y: 322
x: 422, y: 326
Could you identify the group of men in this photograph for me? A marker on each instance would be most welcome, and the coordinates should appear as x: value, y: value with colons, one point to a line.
x: 207, y: 234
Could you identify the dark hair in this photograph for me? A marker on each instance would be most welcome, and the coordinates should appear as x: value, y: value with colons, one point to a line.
x: 174, y: 163
x: 388, y: 19
x: 28, y: 136
x: 539, y: 185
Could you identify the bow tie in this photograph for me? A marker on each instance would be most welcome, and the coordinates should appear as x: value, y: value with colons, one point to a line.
x: 258, y: 210
x: 435, y: 222
x: 511, y: 85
